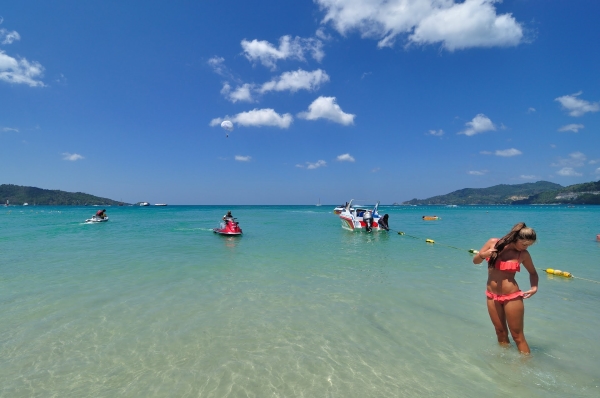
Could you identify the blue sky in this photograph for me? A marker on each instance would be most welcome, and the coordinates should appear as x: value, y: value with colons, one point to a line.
x: 330, y: 99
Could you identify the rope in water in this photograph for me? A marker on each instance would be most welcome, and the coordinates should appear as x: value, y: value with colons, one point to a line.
x: 473, y: 251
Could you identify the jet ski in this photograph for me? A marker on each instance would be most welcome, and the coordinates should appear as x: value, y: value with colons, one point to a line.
x: 229, y: 227
x: 96, y: 219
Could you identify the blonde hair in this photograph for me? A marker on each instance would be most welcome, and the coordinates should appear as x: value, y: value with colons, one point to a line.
x: 519, y: 232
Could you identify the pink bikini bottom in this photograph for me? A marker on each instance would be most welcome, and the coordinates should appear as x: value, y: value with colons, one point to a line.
x: 503, y: 298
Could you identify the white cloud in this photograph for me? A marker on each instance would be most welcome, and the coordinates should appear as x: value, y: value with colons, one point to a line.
x: 576, y: 106
x: 508, y: 152
x: 480, y: 124
x: 296, y: 80
x: 321, y: 34
x: 575, y: 159
x: 241, y: 93
x: 568, y: 172
x: 61, y: 79
x: 267, y: 54
x: 528, y: 177
x: 316, y: 165
x: 20, y: 71
x: 571, y: 127
x: 472, y: 23
x: 9, y: 129
x: 218, y: 65
x: 594, y: 161
x: 257, y: 118
x: 436, y: 133
x: 217, y: 121
x: 477, y: 172
x: 240, y: 158
x: 263, y: 117
x: 326, y: 108
x: 597, y: 171
x: 375, y: 170
x: 72, y: 156
x: 346, y: 157
x: 530, y: 110
x: 290, y: 81
x: 9, y: 37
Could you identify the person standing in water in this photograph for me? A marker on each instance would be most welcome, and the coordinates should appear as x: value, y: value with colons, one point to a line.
x: 504, y: 298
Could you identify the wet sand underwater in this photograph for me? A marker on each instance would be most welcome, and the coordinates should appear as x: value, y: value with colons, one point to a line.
x: 152, y: 303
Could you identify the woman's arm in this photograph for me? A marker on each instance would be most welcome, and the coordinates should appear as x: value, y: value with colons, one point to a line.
x: 485, y: 251
x: 533, y: 275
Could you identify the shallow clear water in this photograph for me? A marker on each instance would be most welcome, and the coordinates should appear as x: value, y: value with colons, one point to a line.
x: 152, y: 303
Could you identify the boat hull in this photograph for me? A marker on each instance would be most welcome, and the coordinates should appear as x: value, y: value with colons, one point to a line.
x: 226, y: 233
x: 358, y: 225
x: 352, y: 218
x: 95, y: 220
x: 230, y: 228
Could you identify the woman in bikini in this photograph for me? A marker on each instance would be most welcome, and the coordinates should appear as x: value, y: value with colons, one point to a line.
x: 504, y: 298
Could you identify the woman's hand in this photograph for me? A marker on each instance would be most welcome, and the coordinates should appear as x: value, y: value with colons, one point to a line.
x: 487, y: 253
x: 530, y: 293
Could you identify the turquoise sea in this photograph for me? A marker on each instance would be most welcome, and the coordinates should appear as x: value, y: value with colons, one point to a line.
x: 153, y: 304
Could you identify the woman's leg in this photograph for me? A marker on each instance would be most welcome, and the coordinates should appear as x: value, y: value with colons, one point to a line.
x: 514, y: 311
x: 496, y: 311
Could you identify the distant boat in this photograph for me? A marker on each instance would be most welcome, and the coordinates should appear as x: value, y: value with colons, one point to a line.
x: 319, y: 204
x: 144, y: 204
x: 160, y: 204
x: 25, y: 204
x: 6, y: 204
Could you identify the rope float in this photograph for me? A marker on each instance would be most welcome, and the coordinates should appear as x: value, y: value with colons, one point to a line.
x: 558, y: 272
x: 472, y: 251
x: 566, y: 274
x: 550, y: 271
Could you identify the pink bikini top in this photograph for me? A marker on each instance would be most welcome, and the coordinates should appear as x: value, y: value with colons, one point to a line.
x: 509, y: 266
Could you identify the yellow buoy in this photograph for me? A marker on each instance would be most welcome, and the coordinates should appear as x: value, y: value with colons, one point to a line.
x: 558, y: 272
x: 400, y: 233
x: 429, y: 241
x: 473, y: 251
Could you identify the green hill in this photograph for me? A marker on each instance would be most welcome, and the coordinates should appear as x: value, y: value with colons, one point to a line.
x: 17, y: 195
x: 498, y: 194
x: 587, y: 193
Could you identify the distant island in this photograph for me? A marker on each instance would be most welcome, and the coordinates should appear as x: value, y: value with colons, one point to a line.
x: 19, y: 195
x: 541, y: 192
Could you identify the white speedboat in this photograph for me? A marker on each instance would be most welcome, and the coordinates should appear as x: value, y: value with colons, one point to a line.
x: 339, y: 209
x: 25, y: 204
x: 96, y: 219
x: 160, y: 204
x: 144, y: 204
x: 363, y: 218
